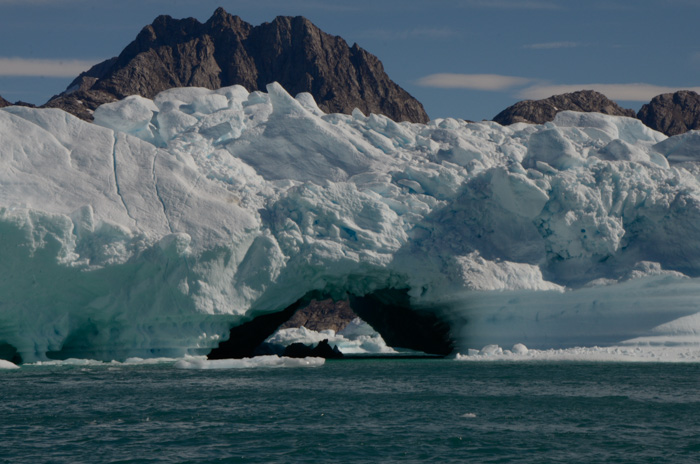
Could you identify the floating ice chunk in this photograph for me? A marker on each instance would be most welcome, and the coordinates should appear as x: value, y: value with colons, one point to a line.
x: 490, y: 350
x: 519, y: 348
x: 273, y: 361
x: 619, y: 353
x: 8, y: 365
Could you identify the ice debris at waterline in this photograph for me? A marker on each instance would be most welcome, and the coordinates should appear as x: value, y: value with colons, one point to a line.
x: 155, y: 230
x: 201, y: 363
x: 7, y: 365
x: 619, y: 353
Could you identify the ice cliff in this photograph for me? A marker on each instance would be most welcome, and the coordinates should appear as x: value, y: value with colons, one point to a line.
x: 155, y: 230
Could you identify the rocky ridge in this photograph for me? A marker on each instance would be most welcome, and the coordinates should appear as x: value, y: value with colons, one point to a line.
x: 672, y: 113
x: 541, y: 111
x: 226, y: 51
x: 669, y: 113
x: 4, y: 103
x: 322, y: 315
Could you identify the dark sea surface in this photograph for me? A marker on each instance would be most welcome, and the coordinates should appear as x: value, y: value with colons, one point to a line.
x: 354, y: 411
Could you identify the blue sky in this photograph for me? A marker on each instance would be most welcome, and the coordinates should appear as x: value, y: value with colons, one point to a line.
x: 461, y: 58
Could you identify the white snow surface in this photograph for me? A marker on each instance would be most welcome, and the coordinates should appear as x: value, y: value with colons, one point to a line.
x: 153, y: 231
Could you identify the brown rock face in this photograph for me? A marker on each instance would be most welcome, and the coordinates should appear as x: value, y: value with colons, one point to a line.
x: 541, y: 111
x: 322, y: 315
x: 4, y: 103
x: 672, y: 113
x: 226, y: 51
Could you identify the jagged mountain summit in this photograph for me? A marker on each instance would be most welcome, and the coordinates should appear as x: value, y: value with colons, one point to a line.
x: 541, y: 111
x: 227, y: 51
x: 672, y: 113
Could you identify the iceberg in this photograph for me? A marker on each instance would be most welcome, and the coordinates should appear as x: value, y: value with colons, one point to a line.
x: 154, y: 231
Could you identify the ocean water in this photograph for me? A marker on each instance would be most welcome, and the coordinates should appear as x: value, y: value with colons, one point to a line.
x: 354, y: 411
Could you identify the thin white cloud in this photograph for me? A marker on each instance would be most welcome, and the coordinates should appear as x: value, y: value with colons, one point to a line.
x: 552, y: 45
x: 537, y: 89
x: 36, y: 2
x: 415, y: 33
x: 43, y: 67
x: 628, y: 92
x: 490, y: 82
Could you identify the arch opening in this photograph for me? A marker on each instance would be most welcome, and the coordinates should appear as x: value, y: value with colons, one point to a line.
x: 9, y: 353
x: 390, y: 313
x: 387, y: 311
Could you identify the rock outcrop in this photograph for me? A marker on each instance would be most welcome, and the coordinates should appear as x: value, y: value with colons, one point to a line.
x: 672, y: 113
x: 4, y: 103
x: 322, y: 315
x: 541, y: 111
x: 226, y: 51
x: 322, y: 350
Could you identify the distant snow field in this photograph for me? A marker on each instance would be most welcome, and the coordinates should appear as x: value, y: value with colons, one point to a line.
x: 153, y: 231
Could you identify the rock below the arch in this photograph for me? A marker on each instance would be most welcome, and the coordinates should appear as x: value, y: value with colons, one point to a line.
x: 321, y: 350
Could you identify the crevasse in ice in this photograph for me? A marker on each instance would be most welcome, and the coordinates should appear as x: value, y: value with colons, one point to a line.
x: 152, y: 231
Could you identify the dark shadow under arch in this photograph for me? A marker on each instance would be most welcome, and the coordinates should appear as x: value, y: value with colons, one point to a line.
x: 388, y: 311
x: 10, y: 353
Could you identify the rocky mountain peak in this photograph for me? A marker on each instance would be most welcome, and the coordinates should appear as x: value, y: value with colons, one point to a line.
x: 541, y: 111
x: 4, y: 103
x: 672, y: 113
x: 226, y: 50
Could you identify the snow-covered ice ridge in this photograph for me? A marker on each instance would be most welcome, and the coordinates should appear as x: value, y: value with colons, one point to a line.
x: 154, y: 230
